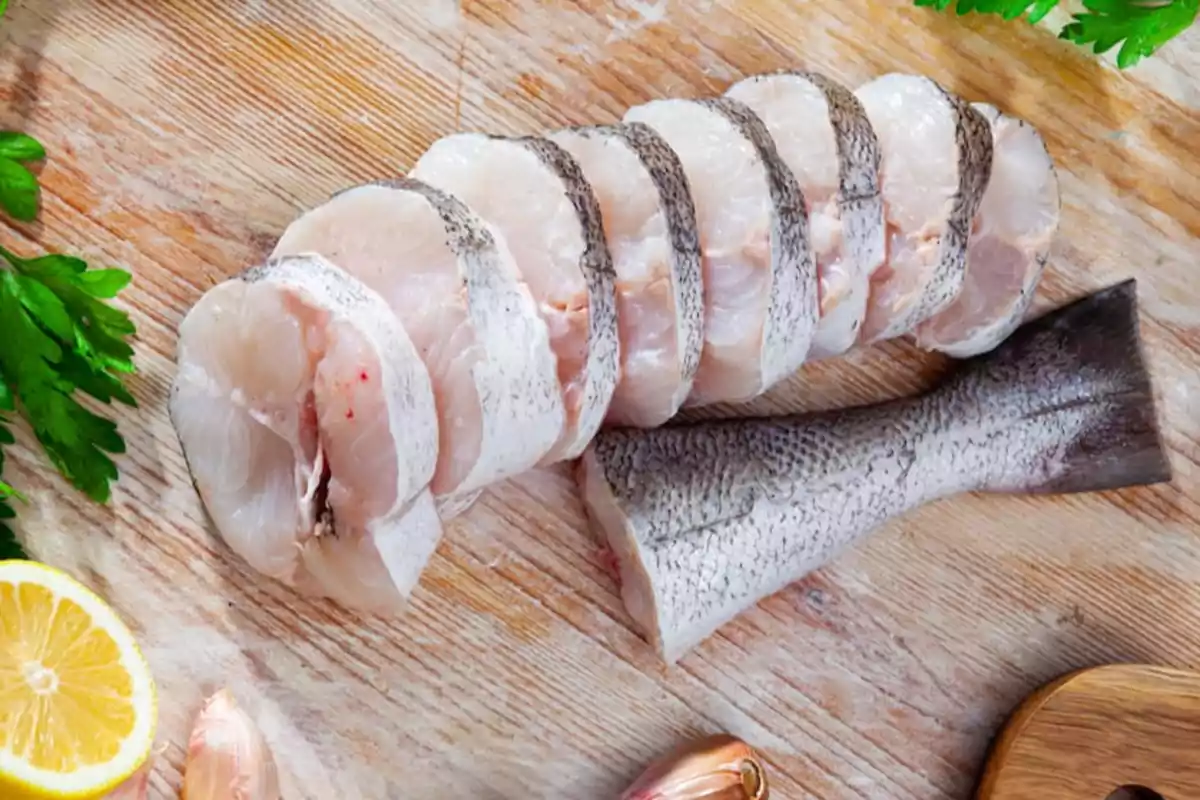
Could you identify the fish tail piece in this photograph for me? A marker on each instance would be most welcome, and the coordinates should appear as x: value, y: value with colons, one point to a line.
x: 1076, y: 385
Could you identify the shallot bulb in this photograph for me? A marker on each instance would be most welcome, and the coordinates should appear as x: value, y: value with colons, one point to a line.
x: 228, y: 758
x: 717, y: 767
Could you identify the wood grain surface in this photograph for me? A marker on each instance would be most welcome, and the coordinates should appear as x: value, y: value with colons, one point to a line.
x: 185, y: 134
x: 1131, y: 726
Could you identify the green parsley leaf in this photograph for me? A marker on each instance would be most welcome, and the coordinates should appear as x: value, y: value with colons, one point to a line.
x: 20, y: 147
x: 1009, y: 9
x: 1143, y: 26
x: 45, y: 306
x: 19, y: 191
x: 58, y: 338
x: 104, y: 283
x: 99, y: 329
x: 9, y: 546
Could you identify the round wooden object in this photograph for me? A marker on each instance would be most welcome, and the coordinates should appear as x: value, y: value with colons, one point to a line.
x: 1116, y: 731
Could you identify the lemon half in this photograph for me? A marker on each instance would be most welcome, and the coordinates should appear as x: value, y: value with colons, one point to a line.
x: 78, y: 707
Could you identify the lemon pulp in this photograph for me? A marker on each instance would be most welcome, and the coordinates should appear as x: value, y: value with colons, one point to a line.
x: 77, y: 705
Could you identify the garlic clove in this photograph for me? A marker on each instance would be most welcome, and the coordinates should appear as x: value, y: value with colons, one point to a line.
x: 228, y: 758
x: 719, y: 767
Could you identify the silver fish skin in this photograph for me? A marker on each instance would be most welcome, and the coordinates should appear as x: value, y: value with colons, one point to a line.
x: 707, y: 519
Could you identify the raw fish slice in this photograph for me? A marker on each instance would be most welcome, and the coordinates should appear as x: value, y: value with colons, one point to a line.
x: 1009, y: 245
x: 309, y: 426
x: 760, y: 280
x: 708, y: 519
x: 937, y: 155
x: 451, y: 280
x: 823, y: 135
x: 650, y: 225
x: 534, y: 193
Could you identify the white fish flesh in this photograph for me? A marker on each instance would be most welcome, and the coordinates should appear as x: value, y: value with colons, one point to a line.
x: 309, y: 426
x: 824, y: 136
x: 760, y: 278
x: 707, y: 519
x: 516, y: 293
x: 936, y: 158
x: 450, y: 279
x: 1009, y: 245
x: 650, y: 226
x: 534, y: 193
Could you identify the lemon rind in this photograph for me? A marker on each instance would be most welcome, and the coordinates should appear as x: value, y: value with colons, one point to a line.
x: 89, y: 781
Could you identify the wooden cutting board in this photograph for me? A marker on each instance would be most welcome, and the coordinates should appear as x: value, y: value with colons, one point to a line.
x: 1127, y: 731
x: 185, y: 134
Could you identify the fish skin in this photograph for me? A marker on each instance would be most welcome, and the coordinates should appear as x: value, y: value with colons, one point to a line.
x: 516, y: 394
x: 794, y: 308
x: 973, y: 135
x: 1005, y: 309
x: 859, y: 198
x: 707, y: 519
x: 513, y: 391
x: 760, y: 282
x: 676, y: 198
x: 534, y: 193
x: 602, y: 366
x: 859, y: 201
x: 973, y: 143
x: 664, y: 172
x: 390, y: 549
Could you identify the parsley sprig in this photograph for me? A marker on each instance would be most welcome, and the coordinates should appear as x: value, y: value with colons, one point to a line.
x: 1141, y: 27
x: 19, y: 193
x: 59, y: 340
x: 9, y: 547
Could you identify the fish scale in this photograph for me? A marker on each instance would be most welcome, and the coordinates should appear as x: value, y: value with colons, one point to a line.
x: 534, y: 193
x: 650, y: 243
x: 760, y: 322
x: 823, y: 135
x: 796, y: 220
x: 934, y: 248
x: 709, y: 518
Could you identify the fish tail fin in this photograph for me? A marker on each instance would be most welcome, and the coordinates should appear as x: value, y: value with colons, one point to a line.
x: 1076, y: 382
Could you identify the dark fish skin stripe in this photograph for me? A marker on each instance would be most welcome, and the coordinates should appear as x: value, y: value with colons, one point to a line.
x: 675, y: 198
x: 859, y: 156
x: 792, y: 316
x: 467, y: 236
x: 465, y: 231
x: 860, y: 159
x: 603, y: 362
x: 973, y: 137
